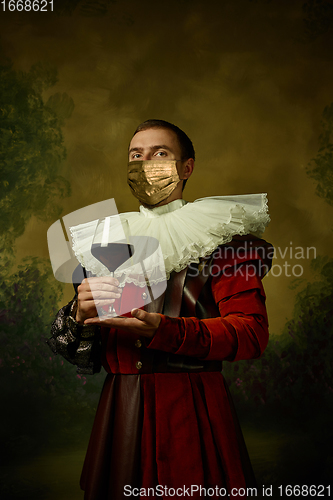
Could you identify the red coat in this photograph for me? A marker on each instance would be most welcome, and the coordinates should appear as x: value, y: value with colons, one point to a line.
x: 187, y: 435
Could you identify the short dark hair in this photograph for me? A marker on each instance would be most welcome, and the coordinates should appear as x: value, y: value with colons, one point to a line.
x: 186, y: 146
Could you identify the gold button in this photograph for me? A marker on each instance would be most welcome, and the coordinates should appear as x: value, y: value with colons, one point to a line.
x: 138, y: 343
x: 144, y: 295
x: 138, y: 364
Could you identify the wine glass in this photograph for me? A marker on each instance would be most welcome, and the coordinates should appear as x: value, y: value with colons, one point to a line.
x: 112, y: 248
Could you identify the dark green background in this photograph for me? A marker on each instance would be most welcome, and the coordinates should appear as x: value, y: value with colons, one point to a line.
x: 249, y: 82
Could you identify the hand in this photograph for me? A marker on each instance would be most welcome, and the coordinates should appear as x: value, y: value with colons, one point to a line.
x: 141, y: 323
x: 95, y: 292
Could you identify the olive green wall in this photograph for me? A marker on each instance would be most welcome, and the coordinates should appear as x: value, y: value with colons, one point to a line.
x: 248, y: 82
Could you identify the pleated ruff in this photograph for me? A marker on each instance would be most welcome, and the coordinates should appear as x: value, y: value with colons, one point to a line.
x: 168, y: 429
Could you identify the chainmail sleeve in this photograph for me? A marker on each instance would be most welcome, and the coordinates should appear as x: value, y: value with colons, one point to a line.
x: 78, y: 344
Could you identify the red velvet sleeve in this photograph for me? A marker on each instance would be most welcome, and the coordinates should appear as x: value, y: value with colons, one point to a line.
x: 240, y: 333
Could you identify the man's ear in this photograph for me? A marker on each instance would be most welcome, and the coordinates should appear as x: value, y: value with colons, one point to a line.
x: 188, y: 168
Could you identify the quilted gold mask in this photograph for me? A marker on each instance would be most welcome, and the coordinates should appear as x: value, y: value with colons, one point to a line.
x: 152, y: 181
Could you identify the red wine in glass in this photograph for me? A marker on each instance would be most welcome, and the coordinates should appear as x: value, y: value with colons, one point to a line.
x: 112, y: 256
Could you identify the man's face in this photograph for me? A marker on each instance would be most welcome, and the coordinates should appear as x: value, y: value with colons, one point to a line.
x: 161, y: 143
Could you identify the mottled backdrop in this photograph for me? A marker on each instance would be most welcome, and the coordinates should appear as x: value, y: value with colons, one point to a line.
x: 247, y: 80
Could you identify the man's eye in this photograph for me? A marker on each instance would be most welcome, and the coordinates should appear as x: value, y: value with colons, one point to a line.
x: 136, y: 156
x: 160, y: 153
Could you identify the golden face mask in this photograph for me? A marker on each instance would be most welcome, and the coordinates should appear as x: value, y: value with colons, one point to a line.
x: 152, y: 181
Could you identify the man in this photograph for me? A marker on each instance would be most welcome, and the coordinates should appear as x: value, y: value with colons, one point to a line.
x: 165, y: 419
x: 146, y: 144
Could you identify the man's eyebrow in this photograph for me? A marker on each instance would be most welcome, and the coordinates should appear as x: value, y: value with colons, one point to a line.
x: 134, y: 149
x: 161, y: 146
x: 154, y: 148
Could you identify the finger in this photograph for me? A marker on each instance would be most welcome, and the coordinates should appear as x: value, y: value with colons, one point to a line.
x: 97, y: 295
x: 139, y: 314
x: 118, y: 322
x: 103, y: 295
x: 99, y: 286
x: 106, y: 282
x: 100, y: 303
x: 102, y: 285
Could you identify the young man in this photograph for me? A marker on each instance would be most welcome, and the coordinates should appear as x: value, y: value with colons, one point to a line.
x: 165, y: 422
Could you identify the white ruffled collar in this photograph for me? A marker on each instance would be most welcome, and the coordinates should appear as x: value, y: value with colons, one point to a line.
x: 185, y: 231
